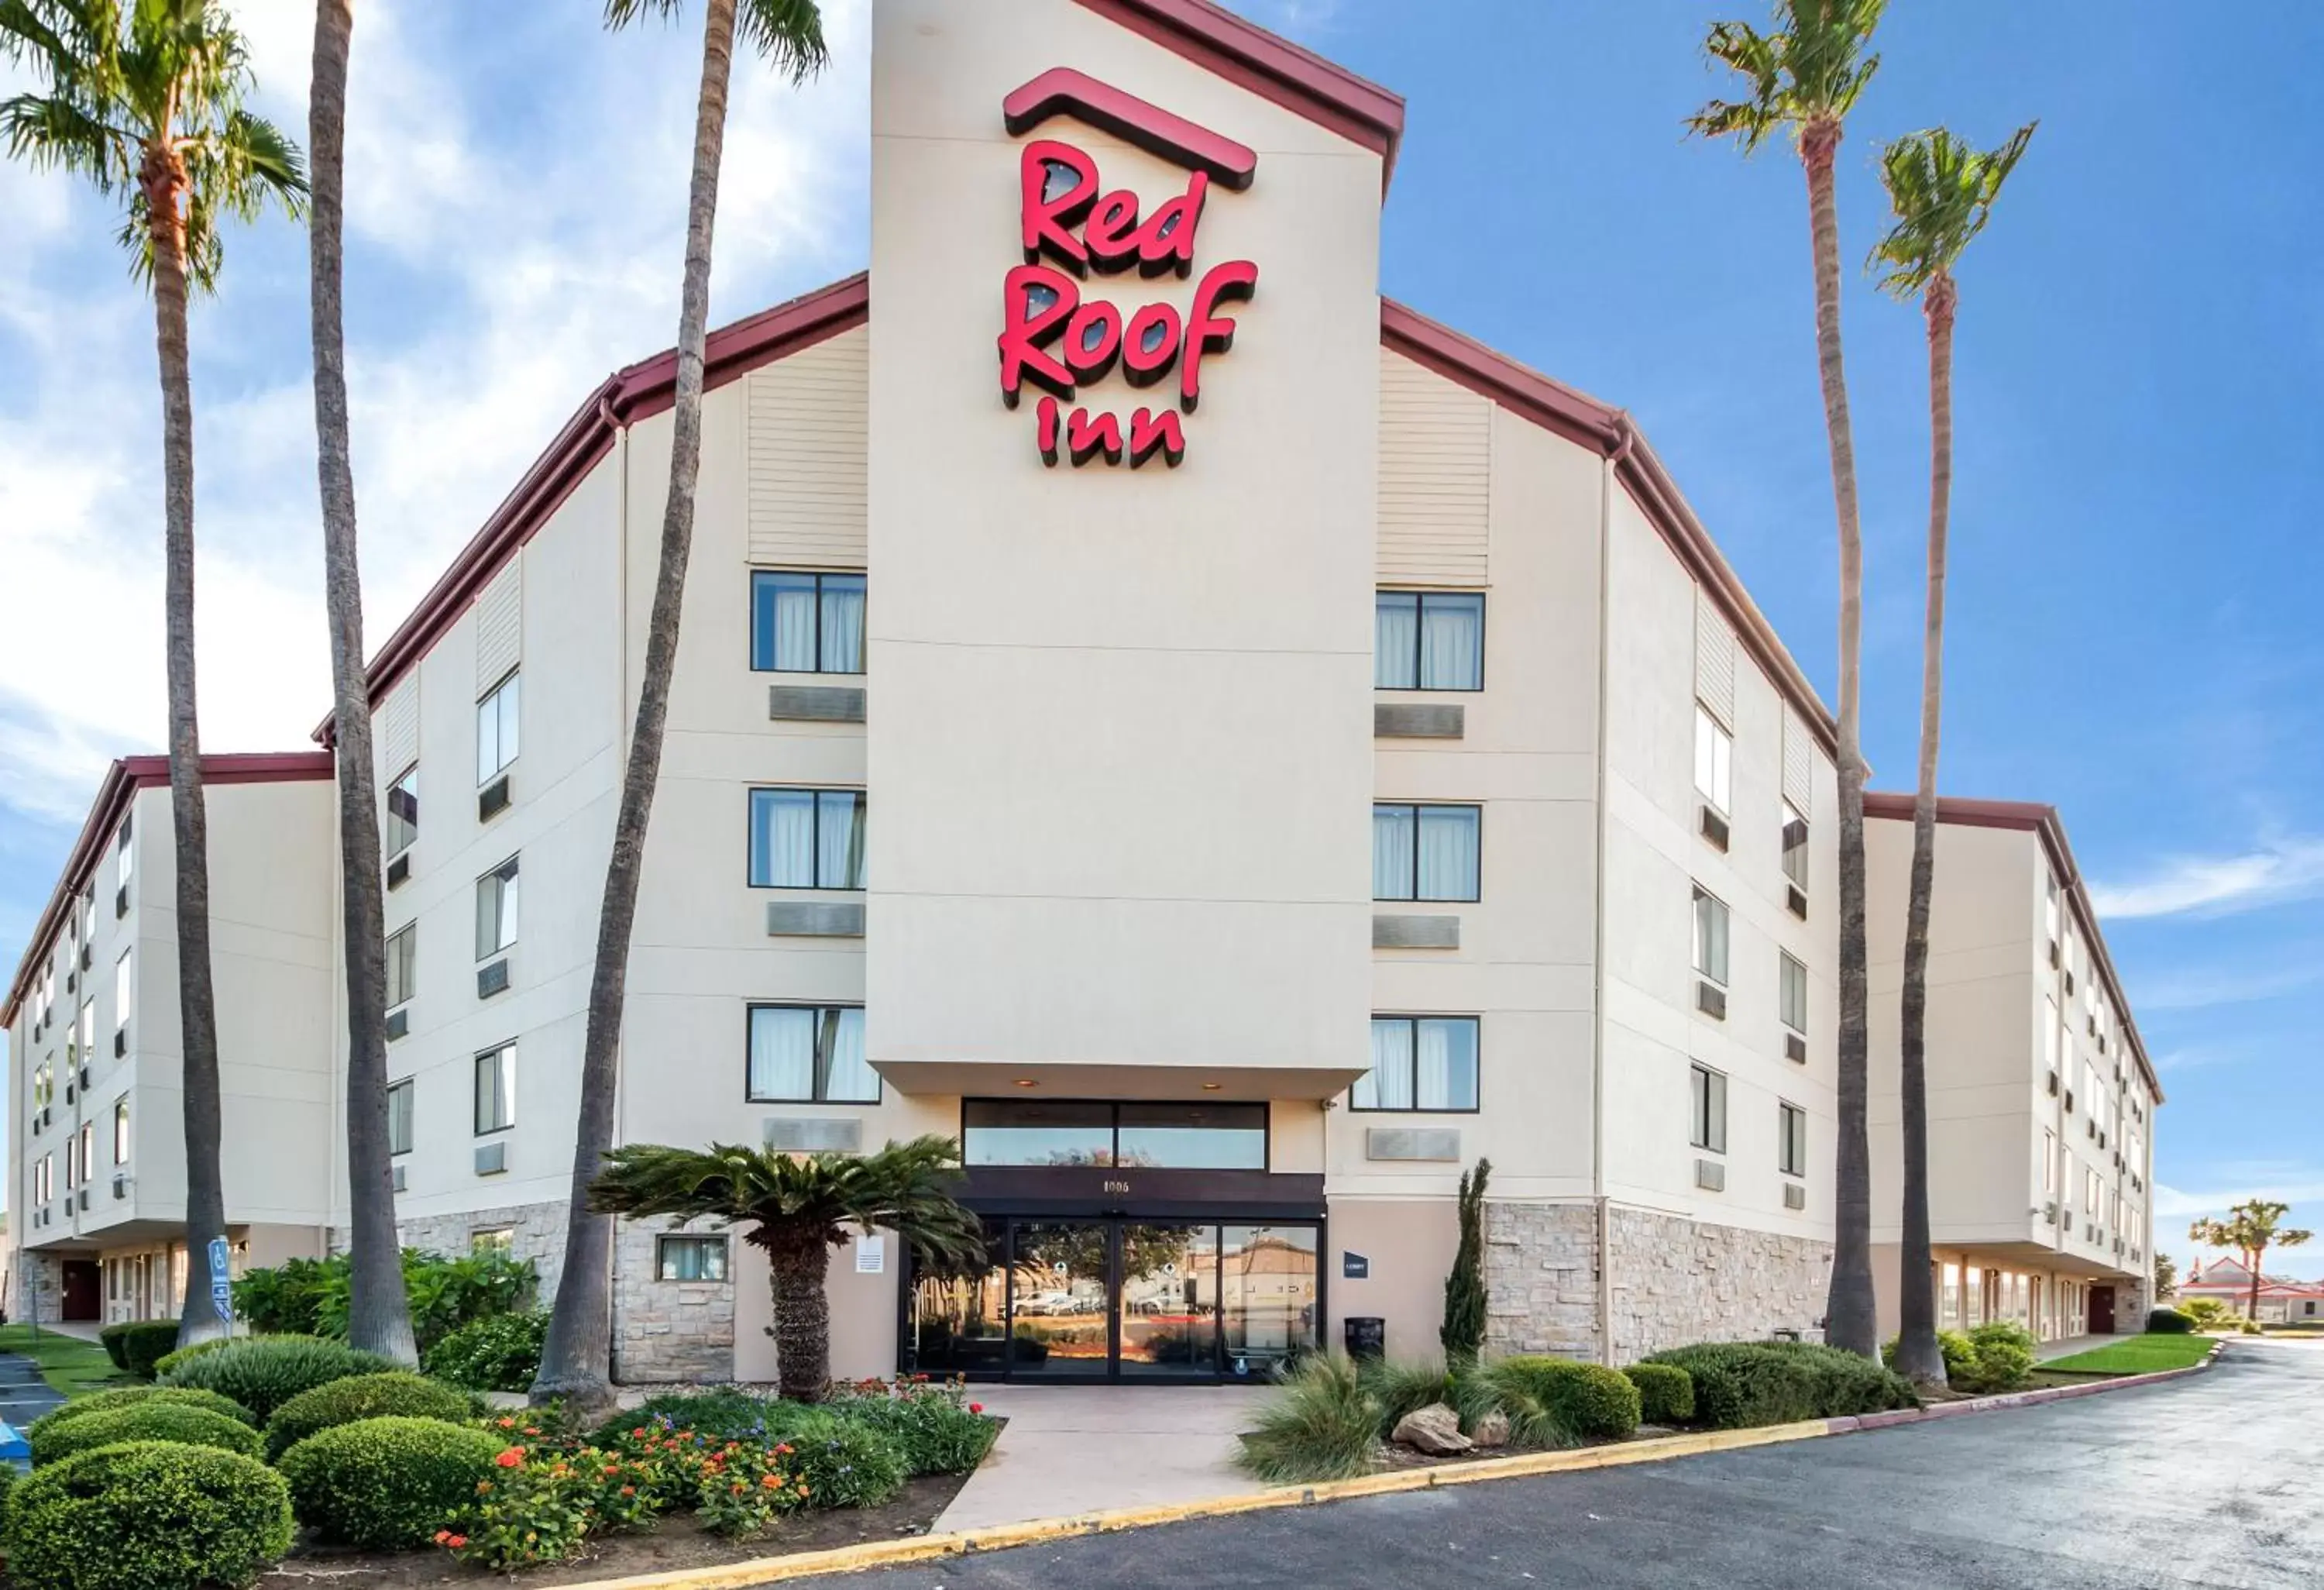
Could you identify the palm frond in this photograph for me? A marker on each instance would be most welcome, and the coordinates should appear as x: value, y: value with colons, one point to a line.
x: 1809, y: 68
x: 1940, y: 192
x: 53, y: 130
x: 787, y: 34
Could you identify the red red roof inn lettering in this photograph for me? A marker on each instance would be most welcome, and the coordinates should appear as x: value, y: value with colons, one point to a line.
x: 1059, y: 338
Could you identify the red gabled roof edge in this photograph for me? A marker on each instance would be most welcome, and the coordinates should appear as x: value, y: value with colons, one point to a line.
x: 2039, y: 818
x: 122, y: 781
x: 635, y: 392
x: 1608, y: 432
x: 1247, y: 55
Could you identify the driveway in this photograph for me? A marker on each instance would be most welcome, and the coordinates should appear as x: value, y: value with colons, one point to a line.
x: 2209, y: 1481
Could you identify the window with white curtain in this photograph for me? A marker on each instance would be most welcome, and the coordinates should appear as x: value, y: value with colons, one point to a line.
x: 121, y: 1130
x: 1711, y: 936
x: 806, y: 622
x: 124, y: 989
x: 1714, y: 761
x: 690, y: 1258
x: 807, y: 838
x: 1426, y: 852
x: 496, y: 730
x: 1428, y: 641
x: 496, y: 1090
x: 1709, y: 1129
x: 1420, y: 1063
x: 809, y: 1054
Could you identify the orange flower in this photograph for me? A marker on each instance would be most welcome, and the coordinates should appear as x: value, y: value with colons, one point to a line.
x: 505, y: 1423
x: 442, y: 1536
x: 456, y: 1541
x: 483, y: 1486
x: 612, y: 1469
x: 638, y: 1434
x: 629, y: 1490
x: 511, y: 1458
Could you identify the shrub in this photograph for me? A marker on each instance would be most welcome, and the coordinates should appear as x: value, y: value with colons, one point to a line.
x: 1745, y: 1384
x: 388, y: 1483
x: 937, y: 1428
x: 1842, y: 1382
x: 499, y: 1352
x: 1400, y: 1388
x: 2206, y: 1312
x: 263, y: 1372
x: 362, y: 1396
x: 725, y: 1412
x: 109, y: 1339
x: 2001, y: 1357
x: 1959, y: 1356
x: 177, y: 1355
x: 138, y: 1396
x: 2169, y: 1321
x: 1588, y: 1401
x: 1321, y: 1425
x: 526, y: 1513
x: 843, y: 1461
x: 310, y: 1297
x: 285, y: 1300
x: 143, y: 1421
x: 154, y: 1514
x: 1665, y: 1392
x: 141, y: 1342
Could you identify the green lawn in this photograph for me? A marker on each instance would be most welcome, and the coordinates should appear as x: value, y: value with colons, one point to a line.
x: 2137, y: 1355
x: 72, y: 1366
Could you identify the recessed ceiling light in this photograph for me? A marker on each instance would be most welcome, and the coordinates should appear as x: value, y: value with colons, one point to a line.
x: 1027, y: 1082
x: 1210, y: 1087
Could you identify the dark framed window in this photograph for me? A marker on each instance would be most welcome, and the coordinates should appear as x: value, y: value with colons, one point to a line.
x: 402, y: 960
x: 1711, y: 924
x: 1420, y: 1063
x: 808, y: 1054
x: 807, y: 838
x: 1426, y: 852
x: 1792, y: 1140
x: 496, y: 909
x: 1428, y: 641
x: 398, y: 1117
x: 1794, y: 994
x: 690, y: 1258
x: 1066, y: 1133
x: 1709, y: 1129
x: 806, y: 623
x: 400, y: 823
x: 496, y: 1090
x: 1796, y: 848
x: 121, y: 1130
x: 496, y: 728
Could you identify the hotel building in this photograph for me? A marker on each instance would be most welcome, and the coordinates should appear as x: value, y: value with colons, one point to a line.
x: 1228, y: 748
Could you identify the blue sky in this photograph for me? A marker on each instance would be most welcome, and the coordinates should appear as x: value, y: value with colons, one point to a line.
x: 2137, y: 368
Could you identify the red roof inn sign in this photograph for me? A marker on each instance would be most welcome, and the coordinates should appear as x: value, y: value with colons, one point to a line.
x: 1060, y: 338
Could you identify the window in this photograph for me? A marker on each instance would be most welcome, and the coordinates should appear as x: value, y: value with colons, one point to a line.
x: 2050, y: 906
x: 1792, y: 1140
x: 690, y: 1258
x: 125, y: 857
x: 2090, y: 1192
x: 1714, y: 760
x: 72, y: 1159
x: 44, y: 1178
x: 87, y: 1166
x: 125, y: 990
x: 1711, y: 936
x: 2049, y: 1161
x: 402, y: 818
x: 1420, y: 1063
x: 496, y: 736
x: 1795, y: 848
x: 496, y: 1090
x: 2050, y: 1035
x: 806, y: 622
x: 1428, y: 641
x: 807, y: 838
x: 1793, y: 1000
x: 492, y: 1239
x: 1426, y: 852
x: 121, y: 1130
x: 398, y: 1117
x: 1710, y: 1124
x: 811, y: 1054
x: 401, y: 952
x: 87, y: 1031
x: 1146, y: 1136
x: 496, y: 909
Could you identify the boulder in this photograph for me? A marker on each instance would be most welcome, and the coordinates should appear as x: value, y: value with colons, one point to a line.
x: 1434, y: 1429
x: 1492, y: 1430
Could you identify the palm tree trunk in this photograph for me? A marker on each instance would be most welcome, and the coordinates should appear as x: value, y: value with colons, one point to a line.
x: 2254, y: 1257
x: 1918, y: 1357
x: 163, y: 178
x: 1850, y: 1319
x: 574, y: 1362
x: 378, y: 1316
x: 802, y: 1315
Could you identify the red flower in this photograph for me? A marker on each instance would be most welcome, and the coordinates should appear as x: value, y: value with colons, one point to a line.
x: 629, y: 1490
x: 976, y: 1407
x: 511, y: 1458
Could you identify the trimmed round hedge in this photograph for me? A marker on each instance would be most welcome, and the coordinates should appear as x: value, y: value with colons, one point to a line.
x: 1589, y: 1402
x: 1740, y: 1384
x: 170, y: 1359
x: 138, y: 1344
x: 138, y: 1396
x: 175, y: 1422
x: 148, y: 1513
x: 1665, y: 1392
x: 388, y: 1483
x: 263, y: 1372
x: 2169, y: 1321
x: 499, y: 1352
x: 397, y: 1391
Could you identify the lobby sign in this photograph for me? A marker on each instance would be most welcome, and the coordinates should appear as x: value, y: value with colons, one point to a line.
x: 1058, y: 335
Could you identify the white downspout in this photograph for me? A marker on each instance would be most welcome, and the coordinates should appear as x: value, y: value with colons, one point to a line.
x: 1604, y: 1221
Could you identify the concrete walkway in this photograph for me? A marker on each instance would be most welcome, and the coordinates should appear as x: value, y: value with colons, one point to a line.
x: 2066, y: 1348
x: 1071, y: 1449
x: 24, y: 1396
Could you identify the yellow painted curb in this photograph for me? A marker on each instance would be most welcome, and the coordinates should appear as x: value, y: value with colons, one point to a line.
x: 848, y: 1560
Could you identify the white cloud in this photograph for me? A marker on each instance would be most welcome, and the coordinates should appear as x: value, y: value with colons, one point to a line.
x: 2288, y: 869
x: 2199, y: 988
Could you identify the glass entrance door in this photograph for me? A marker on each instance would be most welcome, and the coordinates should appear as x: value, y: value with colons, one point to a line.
x: 1166, y: 1307
x: 1061, y: 1277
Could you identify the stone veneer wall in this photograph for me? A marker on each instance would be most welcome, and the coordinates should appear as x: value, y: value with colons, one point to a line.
x: 669, y: 1330
x: 1674, y: 1280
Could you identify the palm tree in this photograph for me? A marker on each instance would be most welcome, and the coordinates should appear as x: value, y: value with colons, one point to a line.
x: 799, y: 1207
x: 379, y: 1315
x: 1941, y: 192
x: 149, y: 107
x: 574, y: 1359
x: 1806, y: 75
x: 2250, y: 1229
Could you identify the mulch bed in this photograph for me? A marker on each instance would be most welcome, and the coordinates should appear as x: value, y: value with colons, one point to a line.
x: 677, y: 1543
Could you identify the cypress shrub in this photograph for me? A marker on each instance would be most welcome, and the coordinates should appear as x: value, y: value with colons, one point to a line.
x: 1464, y: 1333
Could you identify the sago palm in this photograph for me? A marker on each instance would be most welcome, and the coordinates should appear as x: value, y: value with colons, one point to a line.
x: 379, y: 1315
x: 1804, y: 77
x: 797, y: 1208
x: 574, y: 1360
x: 146, y: 102
x: 1940, y: 192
